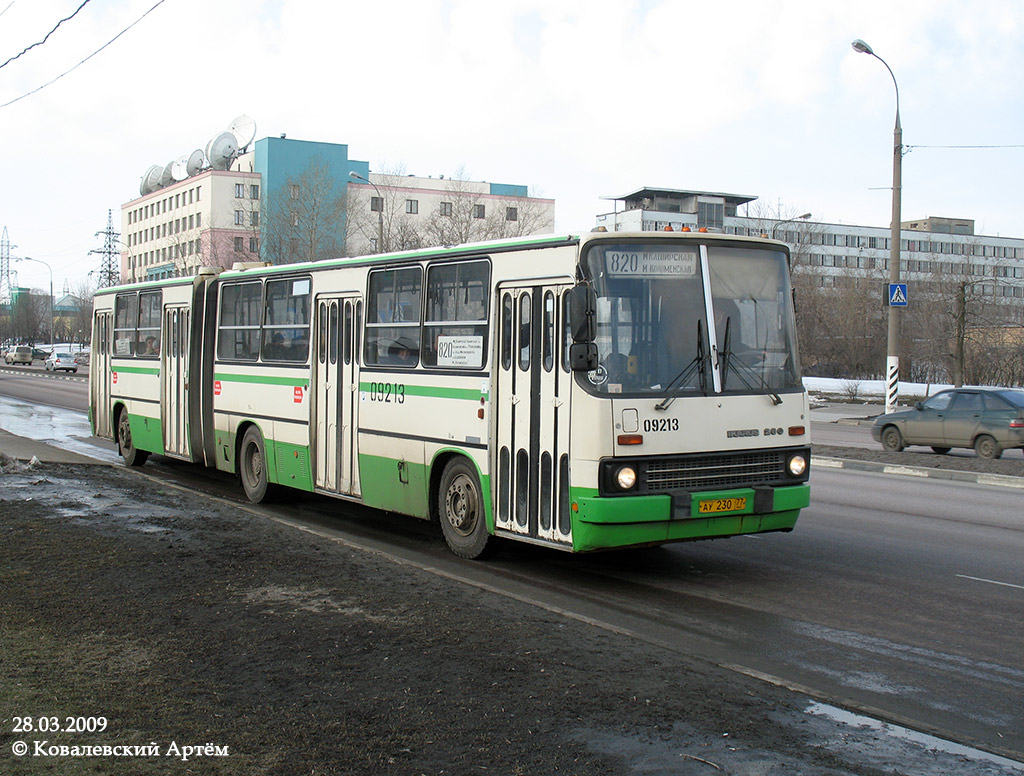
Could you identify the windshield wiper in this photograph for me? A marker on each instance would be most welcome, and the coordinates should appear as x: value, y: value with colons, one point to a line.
x: 725, y: 355
x: 699, y: 362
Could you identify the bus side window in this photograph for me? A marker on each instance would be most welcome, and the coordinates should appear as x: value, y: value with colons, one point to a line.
x: 549, y: 331
x: 126, y: 318
x: 148, y: 337
x: 506, y: 331
x: 525, y: 306
x: 455, y: 324
x: 346, y: 334
x: 332, y: 337
x: 358, y: 331
x: 286, y: 320
x: 393, y: 317
x: 238, y: 334
x: 321, y: 340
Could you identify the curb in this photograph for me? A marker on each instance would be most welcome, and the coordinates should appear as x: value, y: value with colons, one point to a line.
x: 1002, y: 480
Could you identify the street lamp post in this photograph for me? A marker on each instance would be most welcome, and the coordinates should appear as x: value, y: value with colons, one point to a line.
x: 380, y: 213
x: 789, y: 221
x: 39, y: 261
x: 892, y: 360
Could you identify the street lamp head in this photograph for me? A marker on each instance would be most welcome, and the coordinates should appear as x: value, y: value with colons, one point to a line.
x: 801, y: 218
x: 861, y: 47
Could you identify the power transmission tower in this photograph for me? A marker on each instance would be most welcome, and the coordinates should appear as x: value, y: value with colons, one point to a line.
x: 6, y: 285
x: 110, y: 271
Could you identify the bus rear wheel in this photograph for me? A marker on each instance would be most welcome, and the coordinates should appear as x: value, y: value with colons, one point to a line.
x: 460, y: 508
x: 252, y: 465
x: 132, y: 455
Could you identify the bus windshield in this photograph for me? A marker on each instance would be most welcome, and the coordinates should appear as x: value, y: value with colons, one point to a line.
x: 681, y: 318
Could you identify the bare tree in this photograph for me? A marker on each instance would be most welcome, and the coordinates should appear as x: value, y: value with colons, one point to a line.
x: 304, y: 218
x: 960, y: 315
x: 30, y: 311
x: 460, y: 218
x: 841, y: 328
x: 523, y: 217
x: 80, y: 323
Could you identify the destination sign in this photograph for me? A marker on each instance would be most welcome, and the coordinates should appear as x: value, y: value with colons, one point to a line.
x: 651, y: 264
x: 460, y: 351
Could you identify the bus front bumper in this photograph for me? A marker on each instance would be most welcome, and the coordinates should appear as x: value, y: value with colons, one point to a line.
x: 600, y: 522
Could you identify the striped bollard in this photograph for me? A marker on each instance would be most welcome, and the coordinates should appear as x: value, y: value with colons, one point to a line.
x: 892, y: 382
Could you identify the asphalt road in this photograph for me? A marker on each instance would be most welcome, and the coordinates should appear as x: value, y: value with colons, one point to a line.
x: 900, y: 597
x: 54, y: 389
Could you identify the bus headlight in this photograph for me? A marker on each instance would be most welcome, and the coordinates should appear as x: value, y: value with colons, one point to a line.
x: 797, y: 465
x: 626, y: 477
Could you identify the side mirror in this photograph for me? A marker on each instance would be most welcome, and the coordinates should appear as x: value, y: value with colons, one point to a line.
x: 582, y: 307
x: 582, y: 356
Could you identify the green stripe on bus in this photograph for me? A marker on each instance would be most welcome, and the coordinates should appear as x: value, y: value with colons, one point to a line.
x: 436, y: 392
x: 136, y: 370
x: 262, y: 379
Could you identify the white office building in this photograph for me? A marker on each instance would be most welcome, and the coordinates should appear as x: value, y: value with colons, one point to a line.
x: 931, y: 249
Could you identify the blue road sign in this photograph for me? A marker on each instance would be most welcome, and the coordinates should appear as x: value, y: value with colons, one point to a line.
x: 897, y: 295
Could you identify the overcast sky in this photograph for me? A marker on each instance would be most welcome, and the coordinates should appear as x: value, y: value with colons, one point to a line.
x: 578, y: 99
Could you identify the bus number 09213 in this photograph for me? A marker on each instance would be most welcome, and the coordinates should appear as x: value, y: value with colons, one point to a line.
x: 387, y: 392
x: 652, y: 425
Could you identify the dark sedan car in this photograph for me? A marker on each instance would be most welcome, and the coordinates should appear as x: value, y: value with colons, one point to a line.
x: 988, y: 419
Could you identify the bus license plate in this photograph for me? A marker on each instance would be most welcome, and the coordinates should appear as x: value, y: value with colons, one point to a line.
x: 721, y: 505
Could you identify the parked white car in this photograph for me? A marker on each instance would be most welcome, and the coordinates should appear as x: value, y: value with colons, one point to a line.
x: 21, y: 354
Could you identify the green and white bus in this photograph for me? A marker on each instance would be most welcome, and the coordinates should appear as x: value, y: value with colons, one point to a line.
x: 584, y: 392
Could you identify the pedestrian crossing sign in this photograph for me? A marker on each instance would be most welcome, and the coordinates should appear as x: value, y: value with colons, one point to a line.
x: 897, y: 295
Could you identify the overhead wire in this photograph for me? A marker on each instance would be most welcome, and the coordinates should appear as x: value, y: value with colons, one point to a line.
x: 97, y: 51
x: 40, y: 43
x: 1021, y: 145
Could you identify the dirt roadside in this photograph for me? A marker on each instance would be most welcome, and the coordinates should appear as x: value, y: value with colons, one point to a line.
x: 186, y: 622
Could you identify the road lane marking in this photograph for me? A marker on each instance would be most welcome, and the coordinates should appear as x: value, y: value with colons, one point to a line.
x: 991, y: 581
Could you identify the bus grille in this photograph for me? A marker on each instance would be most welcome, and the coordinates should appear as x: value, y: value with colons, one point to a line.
x: 719, y: 471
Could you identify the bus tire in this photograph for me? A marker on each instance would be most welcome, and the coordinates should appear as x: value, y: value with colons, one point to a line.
x: 252, y: 465
x: 132, y: 455
x: 460, y: 509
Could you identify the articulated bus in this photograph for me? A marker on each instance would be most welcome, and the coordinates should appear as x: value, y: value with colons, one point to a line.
x: 585, y: 392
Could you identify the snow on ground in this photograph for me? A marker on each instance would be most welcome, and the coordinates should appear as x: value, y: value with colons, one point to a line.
x: 851, y: 388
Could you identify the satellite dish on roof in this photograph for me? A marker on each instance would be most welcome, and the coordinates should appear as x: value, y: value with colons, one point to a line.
x: 221, y: 150
x: 244, y: 130
x: 195, y: 162
x: 152, y: 180
x: 166, y: 178
x: 179, y: 168
x: 149, y: 179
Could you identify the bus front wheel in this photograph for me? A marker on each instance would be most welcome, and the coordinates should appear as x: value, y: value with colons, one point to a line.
x: 132, y: 455
x: 461, y: 511
x: 252, y: 465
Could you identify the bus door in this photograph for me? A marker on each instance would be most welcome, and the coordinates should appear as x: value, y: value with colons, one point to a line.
x: 174, y: 395
x: 99, y: 378
x: 334, y: 406
x: 532, y: 397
